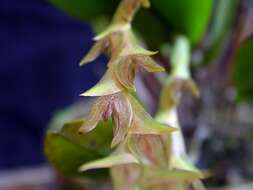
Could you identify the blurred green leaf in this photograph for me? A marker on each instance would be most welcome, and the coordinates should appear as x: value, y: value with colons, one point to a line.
x: 243, y: 76
x: 220, y: 27
x: 86, y: 9
x: 151, y: 28
x: 66, y: 150
x: 188, y: 17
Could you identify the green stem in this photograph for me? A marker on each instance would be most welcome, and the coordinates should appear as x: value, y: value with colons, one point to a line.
x: 180, y: 58
x: 126, y: 10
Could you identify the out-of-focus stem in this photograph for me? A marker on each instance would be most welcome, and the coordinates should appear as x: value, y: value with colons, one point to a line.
x: 127, y: 10
x: 180, y: 60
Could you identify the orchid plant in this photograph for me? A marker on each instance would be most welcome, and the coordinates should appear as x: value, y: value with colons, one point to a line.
x: 147, y: 153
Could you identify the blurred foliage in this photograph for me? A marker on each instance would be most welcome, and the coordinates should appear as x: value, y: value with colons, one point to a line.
x: 243, y: 72
x: 220, y: 27
x: 67, y: 150
x: 155, y: 32
x: 188, y: 17
x: 86, y: 9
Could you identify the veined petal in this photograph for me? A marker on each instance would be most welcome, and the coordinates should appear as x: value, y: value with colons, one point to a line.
x: 122, y: 118
x: 95, y: 51
x: 182, y: 164
x: 125, y: 68
x: 136, y: 50
x: 106, y: 86
x: 116, y: 27
x: 110, y: 161
x: 143, y: 123
x: 125, y: 72
x: 149, y: 149
x: 94, y: 116
x: 125, y: 177
x: 148, y: 64
x: 143, y: 51
x: 132, y: 46
x: 155, y: 177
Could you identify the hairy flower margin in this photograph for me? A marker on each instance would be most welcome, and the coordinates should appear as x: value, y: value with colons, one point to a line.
x: 146, y: 156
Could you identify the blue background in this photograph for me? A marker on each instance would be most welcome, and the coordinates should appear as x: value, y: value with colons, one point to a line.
x: 39, y: 74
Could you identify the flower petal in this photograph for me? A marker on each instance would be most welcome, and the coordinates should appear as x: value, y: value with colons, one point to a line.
x: 182, y: 164
x: 143, y: 51
x: 106, y: 86
x: 135, y: 49
x: 95, y: 115
x: 95, y: 51
x: 117, y: 27
x: 158, y: 177
x: 125, y: 72
x: 143, y: 123
x: 149, y: 149
x: 110, y: 161
x: 148, y: 64
x: 122, y: 118
x: 125, y: 177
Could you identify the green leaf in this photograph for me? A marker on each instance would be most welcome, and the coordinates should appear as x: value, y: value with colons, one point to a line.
x: 97, y: 140
x: 86, y: 9
x: 66, y: 150
x: 66, y: 156
x: 243, y: 73
x: 220, y: 28
x: 155, y: 32
x: 188, y: 17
